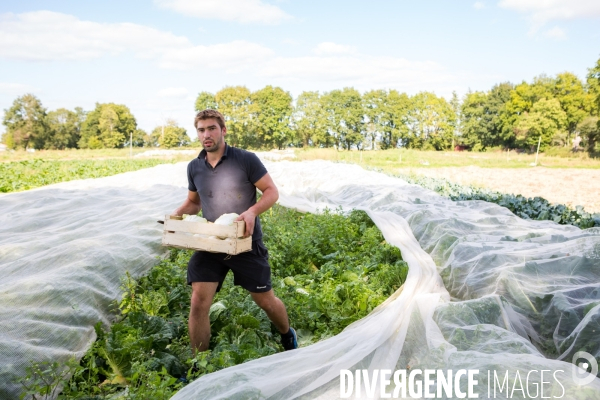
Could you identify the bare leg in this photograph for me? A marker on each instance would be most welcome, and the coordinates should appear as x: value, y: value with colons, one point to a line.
x: 199, y: 322
x: 274, y: 308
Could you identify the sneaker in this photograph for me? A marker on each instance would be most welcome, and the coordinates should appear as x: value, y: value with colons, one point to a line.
x: 291, y: 342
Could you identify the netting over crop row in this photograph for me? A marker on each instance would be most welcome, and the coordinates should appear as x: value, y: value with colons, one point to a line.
x: 63, y: 252
x: 486, y: 290
x: 521, y: 296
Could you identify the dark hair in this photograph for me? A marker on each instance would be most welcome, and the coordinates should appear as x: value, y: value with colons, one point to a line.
x: 208, y: 114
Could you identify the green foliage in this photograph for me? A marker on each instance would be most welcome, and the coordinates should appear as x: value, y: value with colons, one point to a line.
x: 344, y: 115
x: 206, y: 101
x: 481, y: 117
x: 64, y: 128
x: 574, y: 100
x: 388, y: 114
x: 528, y: 208
x: 542, y: 123
x: 593, y: 84
x: 329, y: 270
x: 108, y: 125
x: 507, y: 116
x: 25, y: 123
x: 23, y: 175
x: 590, y: 132
x: 273, y: 114
x: 45, y: 379
x: 235, y: 104
x: 310, y: 122
x: 431, y: 122
x: 170, y: 135
x: 140, y: 139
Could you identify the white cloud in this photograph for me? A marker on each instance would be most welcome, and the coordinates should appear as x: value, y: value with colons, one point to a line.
x: 46, y: 35
x: 246, y: 11
x: 173, y: 92
x: 555, y: 33
x: 50, y: 36
x: 542, y: 11
x: 479, y: 5
x: 330, y: 48
x: 232, y: 57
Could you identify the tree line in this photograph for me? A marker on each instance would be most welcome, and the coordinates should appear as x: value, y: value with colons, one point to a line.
x: 109, y: 125
x: 554, y: 111
x: 559, y: 111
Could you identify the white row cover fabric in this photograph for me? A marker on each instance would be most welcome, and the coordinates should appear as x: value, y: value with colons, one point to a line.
x: 64, y: 250
x: 521, y: 296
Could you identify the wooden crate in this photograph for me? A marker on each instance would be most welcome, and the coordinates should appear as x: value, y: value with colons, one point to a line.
x: 180, y: 234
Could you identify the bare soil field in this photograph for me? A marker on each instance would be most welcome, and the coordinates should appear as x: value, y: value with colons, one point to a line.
x: 567, y: 186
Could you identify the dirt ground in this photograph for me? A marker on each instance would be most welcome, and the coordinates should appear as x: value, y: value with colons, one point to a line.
x: 565, y: 186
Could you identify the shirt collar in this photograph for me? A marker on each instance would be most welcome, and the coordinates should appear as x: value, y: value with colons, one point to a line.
x: 202, y: 154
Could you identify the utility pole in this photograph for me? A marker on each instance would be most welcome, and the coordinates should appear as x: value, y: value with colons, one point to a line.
x: 538, y: 150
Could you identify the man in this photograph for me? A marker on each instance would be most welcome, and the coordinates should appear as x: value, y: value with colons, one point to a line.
x: 223, y: 179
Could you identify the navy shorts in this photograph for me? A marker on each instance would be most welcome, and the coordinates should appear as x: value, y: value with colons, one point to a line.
x: 251, y: 270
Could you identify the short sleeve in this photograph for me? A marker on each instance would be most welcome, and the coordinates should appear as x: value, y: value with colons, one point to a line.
x: 190, y: 174
x: 254, y: 168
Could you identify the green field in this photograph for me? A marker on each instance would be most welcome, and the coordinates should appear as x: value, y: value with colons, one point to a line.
x: 391, y: 160
x: 22, y: 170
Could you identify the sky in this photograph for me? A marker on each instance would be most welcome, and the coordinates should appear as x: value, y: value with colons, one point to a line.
x: 155, y: 56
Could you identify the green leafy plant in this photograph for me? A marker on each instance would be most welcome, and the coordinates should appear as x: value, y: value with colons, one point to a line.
x: 330, y: 270
x: 23, y: 175
x: 536, y: 208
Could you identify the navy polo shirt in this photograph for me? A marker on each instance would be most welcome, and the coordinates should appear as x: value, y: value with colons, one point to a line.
x: 229, y: 186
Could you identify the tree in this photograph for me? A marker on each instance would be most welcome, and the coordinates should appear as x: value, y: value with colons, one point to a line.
x: 108, y: 125
x: 590, y: 132
x: 545, y: 120
x: 65, y: 128
x: 206, y: 101
x: 387, y: 112
x: 474, y: 127
x: 140, y: 138
x: 170, y: 135
x: 593, y: 85
x: 236, y: 106
x: 431, y: 122
x: 273, y: 117
x: 522, y: 99
x: 574, y: 101
x: 344, y: 116
x: 375, y: 104
x: 481, y: 124
x: 309, y: 121
x: 25, y: 123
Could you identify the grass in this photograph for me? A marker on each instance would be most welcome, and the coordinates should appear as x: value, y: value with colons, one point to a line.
x: 392, y: 160
x: 84, y: 154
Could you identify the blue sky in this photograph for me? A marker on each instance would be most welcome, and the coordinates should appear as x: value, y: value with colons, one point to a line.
x: 155, y: 56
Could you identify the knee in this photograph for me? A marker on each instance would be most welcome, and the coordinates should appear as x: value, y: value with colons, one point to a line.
x: 200, y: 304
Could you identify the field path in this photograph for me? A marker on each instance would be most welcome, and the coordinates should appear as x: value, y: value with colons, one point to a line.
x: 565, y: 186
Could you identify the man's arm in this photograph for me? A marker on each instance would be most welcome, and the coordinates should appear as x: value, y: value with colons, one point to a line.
x: 191, y: 205
x: 270, y: 195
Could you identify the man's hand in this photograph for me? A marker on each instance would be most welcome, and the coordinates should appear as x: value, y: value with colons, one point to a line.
x: 270, y: 194
x: 191, y: 205
x: 249, y: 218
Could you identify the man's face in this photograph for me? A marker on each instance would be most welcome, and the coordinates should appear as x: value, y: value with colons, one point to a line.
x: 210, y: 134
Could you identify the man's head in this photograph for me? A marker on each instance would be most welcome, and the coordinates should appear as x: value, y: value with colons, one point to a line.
x: 207, y: 114
x: 211, y: 130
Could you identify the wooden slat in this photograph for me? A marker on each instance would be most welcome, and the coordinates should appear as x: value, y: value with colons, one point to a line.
x: 183, y: 241
x: 231, y: 231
